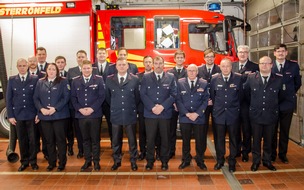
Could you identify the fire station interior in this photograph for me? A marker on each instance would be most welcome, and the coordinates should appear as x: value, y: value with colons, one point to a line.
x: 66, y: 26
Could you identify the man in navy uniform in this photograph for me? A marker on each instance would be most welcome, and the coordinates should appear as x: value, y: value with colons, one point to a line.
x: 41, y: 57
x: 122, y: 94
x: 148, y: 62
x: 244, y: 66
x: 122, y: 52
x: 105, y: 69
x: 226, y: 94
x: 22, y: 114
x: 263, y: 90
x: 33, y: 67
x: 179, y: 71
x: 192, y: 100
x: 206, y: 71
x: 158, y: 92
x: 87, y: 96
x: 291, y: 83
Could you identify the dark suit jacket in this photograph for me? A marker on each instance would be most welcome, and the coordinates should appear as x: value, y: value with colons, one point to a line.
x: 189, y: 101
x: 75, y: 72
x: 132, y: 69
x: 177, y: 76
x: 123, y: 99
x: 203, y: 72
x: 56, y: 95
x: 226, y: 98
x: 108, y: 70
x: 152, y: 93
x: 291, y: 84
x: 264, y: 101
x: 250, y: 67
x: 19, y: 98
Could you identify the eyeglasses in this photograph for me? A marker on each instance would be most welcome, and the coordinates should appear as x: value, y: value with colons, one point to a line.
x: 209, y: 57
x: 265, y: 63
x: 243, y: 52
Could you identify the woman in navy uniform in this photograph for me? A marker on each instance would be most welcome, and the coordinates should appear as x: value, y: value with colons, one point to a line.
x: 51, y: 99
x: 87, y: 96
x: 21, y: 113
x: 122, y: 94
x: 192, y: 100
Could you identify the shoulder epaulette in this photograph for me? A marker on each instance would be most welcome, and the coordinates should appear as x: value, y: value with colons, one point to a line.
x: 279, y: 74
x: 76, y: 77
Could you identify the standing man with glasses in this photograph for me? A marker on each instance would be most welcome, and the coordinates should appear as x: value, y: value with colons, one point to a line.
x: 158, y: 92
x: 291, y: 84
x: 244, y: 66
x: 263, y: 90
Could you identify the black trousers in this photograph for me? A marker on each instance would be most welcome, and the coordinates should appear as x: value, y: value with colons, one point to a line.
x: 90, y: 130
x: 142, y: 133
x: 26, y: 133
x: 200, y: 136
x: 220, y: 145
x: 245, y: 139
x: 284, y: 123
x: 153, y: 125
x: 173, y: 127
x: 117, y: 131
x: 208, y: 114
x: 260, y: 131
x: 55, y: 135
x: 70, y: 133
x: 78, y: 135
x: 107, y: 113
x: 39, y: 134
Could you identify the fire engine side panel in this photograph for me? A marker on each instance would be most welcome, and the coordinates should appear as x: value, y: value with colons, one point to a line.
x: 64, y: 36
x: 18, y: 37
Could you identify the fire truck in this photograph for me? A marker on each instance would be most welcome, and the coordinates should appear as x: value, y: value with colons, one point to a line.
x: 65, y: 26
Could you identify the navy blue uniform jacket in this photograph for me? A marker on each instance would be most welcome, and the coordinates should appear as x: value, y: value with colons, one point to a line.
x: 264, y: 101
x: 56, y: 95
x: 152, y: 93
x: 226, y: 98
x: 123, y: 99
x: 19, y: 98
x: 91, y: 94
x: 189, y: 101
x: 291, y: 84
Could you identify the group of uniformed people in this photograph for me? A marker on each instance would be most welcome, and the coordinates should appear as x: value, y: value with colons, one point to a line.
x: 243, y: 98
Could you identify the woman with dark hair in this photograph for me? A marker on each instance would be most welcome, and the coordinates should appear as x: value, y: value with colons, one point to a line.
x: 51, y: 99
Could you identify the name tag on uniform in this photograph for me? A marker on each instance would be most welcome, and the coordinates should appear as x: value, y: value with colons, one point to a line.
x: 183, y: 92
x: 219, y: 85
x: 54, y: 88
x: 31, y: 85
x: 93, y: 85
x: 200, y: 90
x: 232, y: 85
x: 165, y: 84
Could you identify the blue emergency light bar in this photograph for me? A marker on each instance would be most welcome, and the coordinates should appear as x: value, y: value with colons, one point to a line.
x: 214, y: 7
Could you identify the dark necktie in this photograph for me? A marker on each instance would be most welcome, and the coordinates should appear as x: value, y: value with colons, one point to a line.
x: 33, y: 73
x: 41, y: 67
x: 158, y: 78
x: 265, y: 80
x: 226, y: 79
x: 61, y: 74
x: 241, y: 66
x: 22, y: 79
x: 178, y: 71
x: 121, y: 81
x: 101, y: 72
x: 192, y: 85
x: 86, y: 80
x: 51, y: 82
x: 281, y: 68
x: 209, y: 72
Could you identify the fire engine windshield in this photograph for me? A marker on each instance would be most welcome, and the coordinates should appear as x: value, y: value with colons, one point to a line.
x: 203, y: 36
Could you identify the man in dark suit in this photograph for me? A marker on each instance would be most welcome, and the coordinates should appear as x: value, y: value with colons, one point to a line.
x: 291, y: 83
x: 87, y: 96
x: 105, y: 69
x: 179, y: 71
x: 148, y: 62
x: 263, y: 90
x: 21, y: 113
x: 41, y: 55
x: 192, y: 100
x: 60, y: 61
x: 122, y: 94
x: 244, y: 67
x: 122, y: 52
x: 158, y: 92
x: 226, y: 95
x: 33, y: 67
x: 206, y: 71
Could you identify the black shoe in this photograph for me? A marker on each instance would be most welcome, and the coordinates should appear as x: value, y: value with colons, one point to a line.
x: 171, y: 155
x: 269, y: 166
x: 60, y: 168
x: 149, y: 166
x: 141, y: 156
x: 183, y: 165
x: 202, y: 166
x: 284, y: 159
x: 96, y: 166
x: 134, y: 166
x: 254, y: 167
x: 50, y: 168
x: 273, y: 158
x: 70, y: 151
x: 115, y: 166
x: 231, y: 168
x: 245, y: 158
x: 35, y: 167
x: 218, y: 166
x: 80, y: 155
x: 164, y: 166
x: 22, y: 167
x: 86, y: 165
